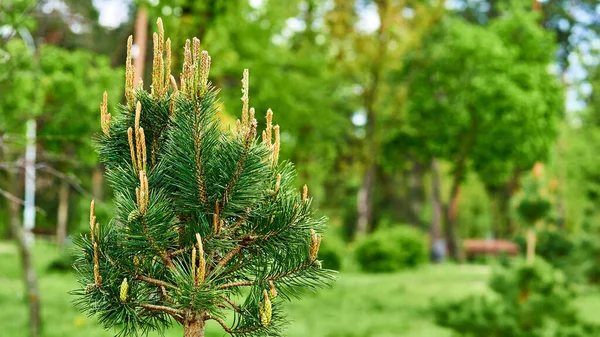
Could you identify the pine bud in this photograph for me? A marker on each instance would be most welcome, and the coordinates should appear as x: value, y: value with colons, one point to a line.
x: 266, y: 310
x: 272, y: 290
x: 134, y: 216
x: 315, y: 243
x: 124, y: 290
x: 136, y: 261
x: 89, y: 289
x: 278, y: 182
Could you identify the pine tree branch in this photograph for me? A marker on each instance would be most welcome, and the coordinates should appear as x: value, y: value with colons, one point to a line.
x: 228, y: 257
x: 238, y: 172
x: 156, y: 282
x: 244, y: 241
x: 230, y: 330
x: 163, y: 254
x: 270, y: 278
x: 175, y: 313
x: 179, y: 251
x: 233, y: 305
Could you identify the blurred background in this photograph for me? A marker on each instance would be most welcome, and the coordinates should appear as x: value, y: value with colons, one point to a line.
x: 433, y: 133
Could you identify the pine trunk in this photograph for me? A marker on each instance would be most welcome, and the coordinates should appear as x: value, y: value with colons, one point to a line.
x: 193, y: 328
x: 63, y: 213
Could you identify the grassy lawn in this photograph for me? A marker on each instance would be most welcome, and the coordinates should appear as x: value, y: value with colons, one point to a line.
x: 358, y: 305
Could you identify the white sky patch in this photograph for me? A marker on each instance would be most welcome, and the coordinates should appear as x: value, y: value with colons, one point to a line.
x: 359, y: 118
x: 256, y: 3
x: 55, y: 5
x: 368, y: 18
x: 112, y: 12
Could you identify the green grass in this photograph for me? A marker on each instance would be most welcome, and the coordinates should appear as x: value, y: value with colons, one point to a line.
x: 358, y: 305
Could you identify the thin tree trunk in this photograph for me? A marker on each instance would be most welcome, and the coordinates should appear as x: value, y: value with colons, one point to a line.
x: 30, y: 158
x: 365, y: 203
x: 140, y: 40
x: 451, y: 229
x: 365, y: 193
x: 438, y: 248
x: 30, y: 277
x: 193, y: 328
x: 63, y: 213
x: 452, y: 235
x: 416, y: 194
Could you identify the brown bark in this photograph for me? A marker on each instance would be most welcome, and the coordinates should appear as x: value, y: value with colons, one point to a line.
x: 63, y: 213
x: 416, y: 194
x: 193, y: 328
x: 365, y: 193
x: 365, y: 202
x: 451, y: 229
x: 140, y: 40
x: 436, y: 220
x: 31, y: 284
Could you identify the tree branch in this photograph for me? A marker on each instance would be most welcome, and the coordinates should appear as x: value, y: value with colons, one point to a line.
x: 156, y: 282
x: 175, y: 313
x: 230, y: 330
x: 233, y: 305
x: 270, y: 278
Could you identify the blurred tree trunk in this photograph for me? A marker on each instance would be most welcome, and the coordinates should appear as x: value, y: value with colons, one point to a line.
x: 63, y: 213
x: 365, y: 202
x: 140, y: 40
x: 451, y: 228
x: 500, y: 204
x: 416, y: 194
x: 460, y: 170
x: 438, y: 248
x: 365, y: 193
x: 30, y: 277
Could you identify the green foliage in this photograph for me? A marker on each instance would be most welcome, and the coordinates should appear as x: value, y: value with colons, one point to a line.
x: 534, y: 203
x: 529, y: 300
x: 392, y: 249
x: 202, y: 216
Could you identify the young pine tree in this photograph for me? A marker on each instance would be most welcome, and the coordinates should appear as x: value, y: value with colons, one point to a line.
x: 208, y: 225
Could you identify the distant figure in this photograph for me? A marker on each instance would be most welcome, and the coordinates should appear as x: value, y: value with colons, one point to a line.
x: 438, y: 250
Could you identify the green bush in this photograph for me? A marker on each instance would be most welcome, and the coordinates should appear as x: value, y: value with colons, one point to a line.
x: 331, y: 252
x: 576, y: 256
x: 392, y: 249
x: 530, y: 301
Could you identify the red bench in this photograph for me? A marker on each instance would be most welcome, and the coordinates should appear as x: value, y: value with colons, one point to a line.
x: 479, y: 247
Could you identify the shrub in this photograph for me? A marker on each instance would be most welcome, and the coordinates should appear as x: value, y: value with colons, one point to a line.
x: 530, y: 300
x: 392, y: 249
x: 574, y: 255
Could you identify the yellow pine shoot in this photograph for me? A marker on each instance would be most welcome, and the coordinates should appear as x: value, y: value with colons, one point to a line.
x: 105, y: 116
x: 124, y: 290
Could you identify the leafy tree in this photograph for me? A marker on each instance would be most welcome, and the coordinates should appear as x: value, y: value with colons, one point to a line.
x: 204, y: 217
x: 367, y: 60
x: 484, y: 109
